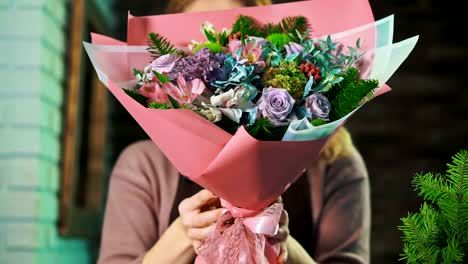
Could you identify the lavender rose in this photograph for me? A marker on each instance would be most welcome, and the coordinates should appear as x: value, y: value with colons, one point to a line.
x: 276, y: 104
x: 318, y: 106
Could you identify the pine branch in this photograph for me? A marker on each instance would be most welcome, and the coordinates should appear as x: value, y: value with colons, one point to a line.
x: 457, y: 211
x: 346, y: 95
x: 159, y: 45
x: 420, y: 235
x: 450, y: 243
x: 452, y: 253
x: 432, y: 187
x: 458, y: 172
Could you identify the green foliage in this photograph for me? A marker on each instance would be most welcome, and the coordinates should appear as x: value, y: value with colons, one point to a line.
x: 247, y: 26
x: 159, y: 45
x: 272, y: 28
x: 439, y: 232
x: 163, y: 78
x: 175, y: 104
x: 293, y: 24
x: 263, y: 129
x: 160, y: 106
x: 346, y: 95
x: 286, y: 76
x: 318, y: 122
x: 288, y: 26
x: 227, y: 125
x: 212, y: 46
x: 136, y: 96
x: 279, y: 39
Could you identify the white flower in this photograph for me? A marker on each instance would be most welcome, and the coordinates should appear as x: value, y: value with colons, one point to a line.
x: 236, y: 97
x: 222, y: 99
x: 208, y: 27
x: 211, y: 113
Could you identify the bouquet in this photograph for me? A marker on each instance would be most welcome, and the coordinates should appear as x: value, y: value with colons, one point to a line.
x: 241, y: 101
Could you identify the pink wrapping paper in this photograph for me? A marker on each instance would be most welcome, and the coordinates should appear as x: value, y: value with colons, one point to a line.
x: 242, y: 170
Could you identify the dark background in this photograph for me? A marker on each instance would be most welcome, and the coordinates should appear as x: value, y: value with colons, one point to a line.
x: 415, y: 128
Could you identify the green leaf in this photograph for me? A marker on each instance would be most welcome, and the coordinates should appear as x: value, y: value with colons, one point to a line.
x: 175, y: 104
x: 163, y: 78
x: 358, y: 43
x: 323, y: 45
x: 223, y: 39
x: 353, y: 51
x: 318, y: 122
x: 263, y: 129
x: 209, y: 36
x: 136, y: 96
x: 330, y: 44
x: 160, y: 106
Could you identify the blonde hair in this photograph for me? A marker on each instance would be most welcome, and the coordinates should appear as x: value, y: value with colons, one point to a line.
x: 340, y: 145
x: 178, y: 6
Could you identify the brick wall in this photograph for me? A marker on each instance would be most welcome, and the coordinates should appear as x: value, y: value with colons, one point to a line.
x: 32, y: 71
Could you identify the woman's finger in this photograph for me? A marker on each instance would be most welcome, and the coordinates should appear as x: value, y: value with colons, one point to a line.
x: 284, y: 218
x: 205, y: 219
x: 283, y: 257
x: 196, y: 201
x: 200, y: 233
x: 282, y: 234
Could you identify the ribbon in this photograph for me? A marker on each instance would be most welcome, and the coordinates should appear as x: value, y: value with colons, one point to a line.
x: 241, y: 237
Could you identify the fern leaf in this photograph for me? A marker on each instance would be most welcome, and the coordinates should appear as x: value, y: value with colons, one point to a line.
x: 159, y: 45
x: 271, y: 28
x: 247, y: 26
x: 292, y: 23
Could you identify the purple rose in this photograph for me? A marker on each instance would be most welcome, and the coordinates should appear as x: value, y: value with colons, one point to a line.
x: 276, y: 104
x: 292, y: 48
x: 318, y: 106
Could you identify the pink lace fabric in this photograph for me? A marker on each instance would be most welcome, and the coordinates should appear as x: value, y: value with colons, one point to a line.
x: 241, y: 237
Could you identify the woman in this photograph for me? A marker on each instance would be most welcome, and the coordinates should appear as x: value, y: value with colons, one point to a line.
x: 154, y: 215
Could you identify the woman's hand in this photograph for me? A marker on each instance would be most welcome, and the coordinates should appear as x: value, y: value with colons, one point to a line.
x: 198, y: 215
x: 282, y: 235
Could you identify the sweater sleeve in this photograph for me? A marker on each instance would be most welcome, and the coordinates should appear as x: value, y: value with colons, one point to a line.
x: 130, y: 225
x: 344, y: 224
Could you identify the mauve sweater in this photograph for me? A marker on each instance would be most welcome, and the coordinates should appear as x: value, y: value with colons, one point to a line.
x: 144, y: 183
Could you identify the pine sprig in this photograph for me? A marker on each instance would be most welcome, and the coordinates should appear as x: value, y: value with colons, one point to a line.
x: 346, y: 95
x: 439, y: 232
x: 159, y: 45
x: 421, y: 233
